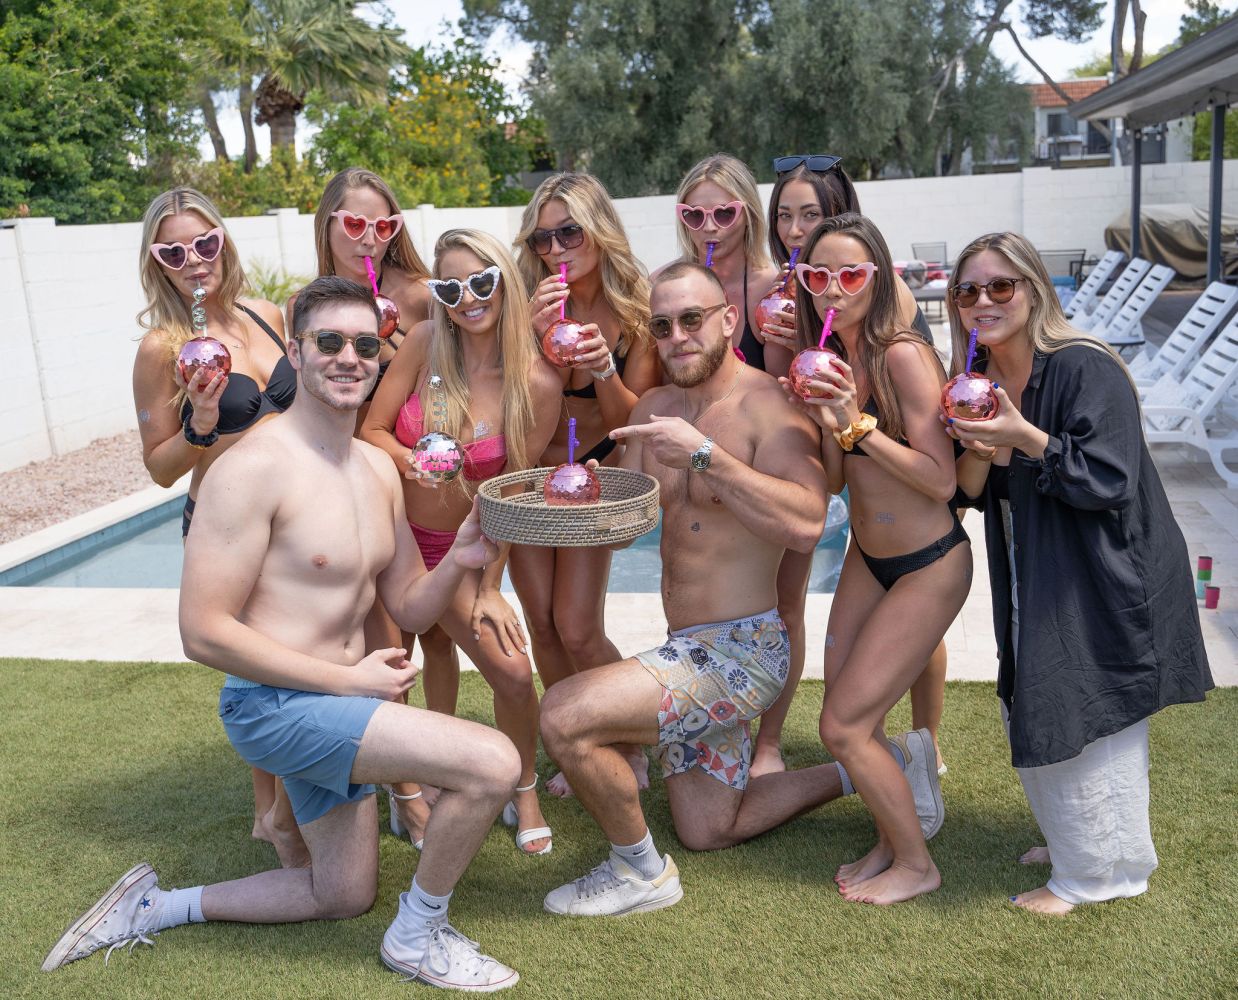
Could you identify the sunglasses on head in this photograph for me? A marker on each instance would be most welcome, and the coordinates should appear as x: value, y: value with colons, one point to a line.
x: 354, y: 225
x: 331, y: 342
x: 690, y: 320
x: 176, y: 255
x: 967, y: 293
x: 724, y: 216
x: 570, y: 237
x: 450, y: 291
x: 851, y: 279
x: 818, y: 163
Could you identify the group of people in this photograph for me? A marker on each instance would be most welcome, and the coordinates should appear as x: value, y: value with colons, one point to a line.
x: 316, y: 553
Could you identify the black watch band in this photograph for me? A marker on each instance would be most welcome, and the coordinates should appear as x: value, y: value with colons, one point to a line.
x: 198, y: 440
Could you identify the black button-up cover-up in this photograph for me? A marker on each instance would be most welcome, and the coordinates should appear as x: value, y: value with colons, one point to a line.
x: 1108, y: 621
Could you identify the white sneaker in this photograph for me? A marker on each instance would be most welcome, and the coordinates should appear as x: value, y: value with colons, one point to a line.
x: 124, y: 915
x: 921, y: 770
x: 435, y: 953
x: 614, y: 889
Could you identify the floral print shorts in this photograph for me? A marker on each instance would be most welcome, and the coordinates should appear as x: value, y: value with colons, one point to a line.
x: 716, y: 679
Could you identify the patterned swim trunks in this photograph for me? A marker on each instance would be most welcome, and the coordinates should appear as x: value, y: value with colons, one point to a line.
x: 716, y: 679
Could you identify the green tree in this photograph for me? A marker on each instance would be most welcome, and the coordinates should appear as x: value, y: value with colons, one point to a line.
x: 96, y: 103
x: 303, y: 45
x: 1201, y: 17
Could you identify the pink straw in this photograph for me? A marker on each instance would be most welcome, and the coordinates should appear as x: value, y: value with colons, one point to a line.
x: 709, y: 253
x: 369, y: 269
x: 563, y: 308
x: 971, y: 348
x: 826, y: 327
x: 571, y: 441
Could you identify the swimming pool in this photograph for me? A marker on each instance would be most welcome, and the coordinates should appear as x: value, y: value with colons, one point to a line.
x: 146, y: 551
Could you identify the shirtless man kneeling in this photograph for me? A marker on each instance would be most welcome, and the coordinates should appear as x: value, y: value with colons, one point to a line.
x: 741, y: 481
x: 296, y: 527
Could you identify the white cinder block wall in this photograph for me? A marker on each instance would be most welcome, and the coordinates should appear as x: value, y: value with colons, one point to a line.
x: 69, y: 295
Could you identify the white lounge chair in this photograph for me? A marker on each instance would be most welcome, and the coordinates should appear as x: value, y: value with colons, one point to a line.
x: 1191, y: 333
x: 1125, y: 330
x: 1084, y: 300
x: 1117, y: 294
x: 1181, y: 412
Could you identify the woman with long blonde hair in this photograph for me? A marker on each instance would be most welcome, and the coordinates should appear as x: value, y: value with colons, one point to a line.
x: 358, y: 216
x: 571, y: 222
x: 185, y: 427
x: 1093, y: 608
x: 908, y: 568
x: 474, y: 372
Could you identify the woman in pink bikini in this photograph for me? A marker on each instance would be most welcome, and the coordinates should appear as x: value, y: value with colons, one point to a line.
x: 473, y: 371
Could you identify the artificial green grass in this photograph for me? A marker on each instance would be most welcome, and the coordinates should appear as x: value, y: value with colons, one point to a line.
x: 109, y: 764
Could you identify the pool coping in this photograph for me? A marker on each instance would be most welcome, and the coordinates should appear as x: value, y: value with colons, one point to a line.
x: 32, y: 552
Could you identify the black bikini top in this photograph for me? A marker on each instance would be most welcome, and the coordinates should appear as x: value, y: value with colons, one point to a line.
x: 590, y: 391
x: 753, y: 350
x: 243, y: 404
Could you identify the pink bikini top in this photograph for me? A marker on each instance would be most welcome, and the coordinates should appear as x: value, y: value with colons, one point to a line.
x: 483, y: 458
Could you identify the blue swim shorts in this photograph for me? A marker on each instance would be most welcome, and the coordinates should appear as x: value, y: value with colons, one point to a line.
x: 309, y: 740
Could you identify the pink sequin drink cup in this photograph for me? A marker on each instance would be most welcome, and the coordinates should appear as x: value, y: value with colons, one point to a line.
x: 561, y: 343
x: 969, y: 395
x: 571, y: 484
x: 202, y: 352
x: 812, y: 364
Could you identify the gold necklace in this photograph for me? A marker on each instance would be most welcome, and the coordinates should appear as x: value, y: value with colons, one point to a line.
x: 734, y: 382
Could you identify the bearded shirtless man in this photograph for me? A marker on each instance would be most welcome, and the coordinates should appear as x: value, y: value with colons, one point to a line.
x: 741, y: 482
x: 296, y: 529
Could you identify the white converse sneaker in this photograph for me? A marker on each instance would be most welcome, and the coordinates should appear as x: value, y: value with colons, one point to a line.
x: 124, y: 915
x: 435, y: 953
x: 614, y: 889
x: 921, y: 770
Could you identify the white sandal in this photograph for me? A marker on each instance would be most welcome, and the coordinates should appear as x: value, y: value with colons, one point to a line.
x: 397, y: 827
x: 511, y: 818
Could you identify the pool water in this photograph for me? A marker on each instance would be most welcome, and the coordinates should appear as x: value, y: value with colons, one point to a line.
x: 150, y: 555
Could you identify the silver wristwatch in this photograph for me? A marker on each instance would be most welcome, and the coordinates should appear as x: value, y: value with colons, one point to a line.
x: 700, y: 458
x: 608, y: 371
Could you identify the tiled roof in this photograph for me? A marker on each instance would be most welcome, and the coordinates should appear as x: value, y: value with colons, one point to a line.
x: 1044, y: 96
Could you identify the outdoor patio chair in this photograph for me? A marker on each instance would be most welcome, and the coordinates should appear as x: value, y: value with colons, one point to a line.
x: 1125, y: 331
x: 1183, y: 412
x: 1180, y: 348
x: 1084, y: 300
x: 1117, y: 294
x: 1064, y: 266
x: 930, y: 253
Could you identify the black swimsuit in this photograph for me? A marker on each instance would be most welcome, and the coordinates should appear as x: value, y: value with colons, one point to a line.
x: 887, y: 571
x: 603, y: 448
x: 243, y: 404
x: 753, y: 350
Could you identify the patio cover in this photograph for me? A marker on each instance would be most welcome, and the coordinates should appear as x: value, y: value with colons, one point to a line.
x: 1200, y: 75
x: 1176, y: 235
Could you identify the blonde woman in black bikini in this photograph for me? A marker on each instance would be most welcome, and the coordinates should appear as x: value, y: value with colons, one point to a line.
x: 571, y: 220
x: 185, y: 428
x: 908, y: 568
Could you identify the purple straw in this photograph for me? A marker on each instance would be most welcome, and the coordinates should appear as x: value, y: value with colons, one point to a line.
x: 571, y: 441
x: 709, y: 253
x: 826, y: 327
x: 971, y: 348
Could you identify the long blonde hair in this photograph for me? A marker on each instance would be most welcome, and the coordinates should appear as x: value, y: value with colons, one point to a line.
x: 734, y: 177
x: 517, y: 351
x: 882, y: 325
x: 166, y: 310
x: 1048, y: 329
x: 624, y: 281
x: 400, y: 252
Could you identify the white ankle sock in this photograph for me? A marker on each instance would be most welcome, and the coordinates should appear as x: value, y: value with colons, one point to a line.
x: 848, y: 788
x: 426, y: 906
x: 180, y: 906
x: 642, y: 856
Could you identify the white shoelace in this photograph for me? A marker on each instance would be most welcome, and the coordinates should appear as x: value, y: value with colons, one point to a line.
x: 444, y: 940
x: 134, y: 939
x: 599, y: 880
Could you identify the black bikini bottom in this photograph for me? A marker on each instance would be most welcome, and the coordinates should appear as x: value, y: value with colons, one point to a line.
x: 187, y: 516
x: 889, y: 571
x: 599, y: 451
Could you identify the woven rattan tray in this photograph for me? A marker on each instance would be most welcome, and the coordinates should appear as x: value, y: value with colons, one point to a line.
x: 628, y: 509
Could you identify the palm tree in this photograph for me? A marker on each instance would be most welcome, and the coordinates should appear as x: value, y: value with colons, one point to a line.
x: 300, y: 45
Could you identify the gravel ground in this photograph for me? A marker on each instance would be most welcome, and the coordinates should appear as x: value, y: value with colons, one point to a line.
x: 44, y: 493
